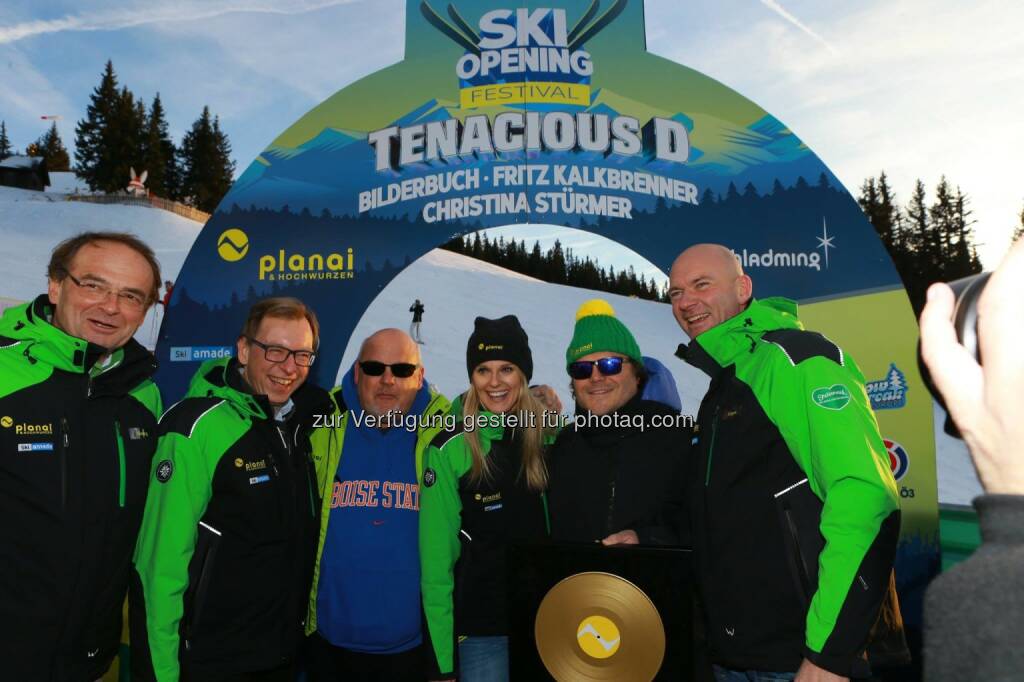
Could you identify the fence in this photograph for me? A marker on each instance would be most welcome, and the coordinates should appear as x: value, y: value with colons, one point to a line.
x: 183, y: 210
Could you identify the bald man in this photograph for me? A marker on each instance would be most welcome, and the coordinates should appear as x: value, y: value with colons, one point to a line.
x: 795, y: 511
x: 364, y: 609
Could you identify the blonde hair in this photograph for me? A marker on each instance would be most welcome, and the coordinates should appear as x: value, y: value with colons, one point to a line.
x: 531, y: 420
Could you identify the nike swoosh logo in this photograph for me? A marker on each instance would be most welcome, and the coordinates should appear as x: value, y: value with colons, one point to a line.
x: 378, y: 522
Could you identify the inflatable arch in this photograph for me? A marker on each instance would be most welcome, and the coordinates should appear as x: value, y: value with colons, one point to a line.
x: 554, y: 113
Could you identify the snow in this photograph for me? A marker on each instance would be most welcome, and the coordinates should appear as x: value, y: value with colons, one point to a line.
x: 32, y: 223
x: 20, y: 162
x: 454, y: 289
x: 958, y: 481
x: 66, y: 182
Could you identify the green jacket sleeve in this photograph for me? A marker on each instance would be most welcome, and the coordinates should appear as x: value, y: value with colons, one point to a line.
x: 822, y: 411
x: 440, y: 521
x: 178, y: 494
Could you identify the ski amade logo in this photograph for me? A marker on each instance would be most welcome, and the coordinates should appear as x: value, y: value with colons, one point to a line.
x: 889, y: 393
x: 523, y: 55
x: 233, y: 246
x: 899, y: 460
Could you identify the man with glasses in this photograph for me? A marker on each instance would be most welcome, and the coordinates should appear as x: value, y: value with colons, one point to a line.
x: 795, y: 511
x: 615, y: 472
x: 365, y: 617
x: 224, y: 559
x: 78, y: 416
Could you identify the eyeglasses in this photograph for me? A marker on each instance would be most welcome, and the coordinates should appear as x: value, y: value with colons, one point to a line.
x: 583, y: 369
x: 95, y: 291
x: 278, y: 354
x: 402, y: 370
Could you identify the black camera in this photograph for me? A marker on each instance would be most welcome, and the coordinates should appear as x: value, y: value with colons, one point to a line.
x: 965, y: 320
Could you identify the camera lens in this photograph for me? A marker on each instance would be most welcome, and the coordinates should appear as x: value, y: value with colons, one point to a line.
x: 965, y: 321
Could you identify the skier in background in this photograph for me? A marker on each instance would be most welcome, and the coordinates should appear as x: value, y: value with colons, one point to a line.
x: 417, y: 316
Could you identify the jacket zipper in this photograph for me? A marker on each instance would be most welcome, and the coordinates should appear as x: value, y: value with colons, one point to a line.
x: 711, y: 447
x: 66, y: 443
x: 201, y: 583
x: 121, y: 483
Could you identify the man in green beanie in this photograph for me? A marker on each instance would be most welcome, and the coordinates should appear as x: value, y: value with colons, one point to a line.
x: 795, y: 514
x: 616, y: 472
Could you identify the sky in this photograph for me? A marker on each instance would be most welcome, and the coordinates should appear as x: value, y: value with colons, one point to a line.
x: 917, y: 88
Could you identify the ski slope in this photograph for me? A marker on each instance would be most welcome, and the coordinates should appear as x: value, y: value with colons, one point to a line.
x: 32, y: 223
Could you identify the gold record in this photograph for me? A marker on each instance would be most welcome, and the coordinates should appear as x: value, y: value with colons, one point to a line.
x: 598, y: 626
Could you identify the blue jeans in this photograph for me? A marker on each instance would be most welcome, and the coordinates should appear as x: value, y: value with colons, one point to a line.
x: 483, y: 659
x: 728, y: 675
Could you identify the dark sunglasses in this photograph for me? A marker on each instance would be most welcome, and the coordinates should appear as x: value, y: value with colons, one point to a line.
x: 583, y: 369
x: 402, y: 370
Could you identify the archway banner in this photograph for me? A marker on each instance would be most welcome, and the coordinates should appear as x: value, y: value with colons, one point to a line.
x: 554, y: 113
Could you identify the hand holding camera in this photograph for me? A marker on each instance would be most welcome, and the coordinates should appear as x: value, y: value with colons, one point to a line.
x: 984, y: 401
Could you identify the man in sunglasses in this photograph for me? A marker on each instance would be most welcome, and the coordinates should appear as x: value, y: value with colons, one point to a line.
x: 794, y: 510
x: 365, y: 619
x: 225, y: 554
x: 615, y: 475
x: 78, y: 415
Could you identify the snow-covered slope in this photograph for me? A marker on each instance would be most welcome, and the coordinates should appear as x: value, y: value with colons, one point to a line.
x: 32, y: 223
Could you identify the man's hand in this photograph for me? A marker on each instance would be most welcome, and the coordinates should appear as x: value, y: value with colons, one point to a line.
x: 623, y: 537
x: 809, y: 672
x: 984, y: 402
x: 548, y: 398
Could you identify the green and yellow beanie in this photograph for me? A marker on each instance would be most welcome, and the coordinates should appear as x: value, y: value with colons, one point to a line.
x: 597, y: 329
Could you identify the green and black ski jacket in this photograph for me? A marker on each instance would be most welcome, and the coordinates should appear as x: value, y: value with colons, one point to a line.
x: 225, y: 554
x: 795, y: 511
x: 465, y: 528
x: 77, y: 440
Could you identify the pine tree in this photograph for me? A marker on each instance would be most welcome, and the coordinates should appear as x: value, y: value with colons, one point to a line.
x: 51, y: 148
x: 206, y: 164
x: 5, y: 142
x: 93, y: 157
x: 159, y: 155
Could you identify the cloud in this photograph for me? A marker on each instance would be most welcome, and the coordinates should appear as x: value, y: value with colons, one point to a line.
x: 781, y: 11
x: 121, y: 17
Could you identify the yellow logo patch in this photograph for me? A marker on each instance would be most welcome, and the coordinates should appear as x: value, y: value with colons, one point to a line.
x: 232, y: 244
x: 6, y: 422
x: 598, y: 637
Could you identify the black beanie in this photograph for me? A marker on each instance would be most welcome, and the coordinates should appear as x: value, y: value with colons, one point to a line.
x: 501, y: 339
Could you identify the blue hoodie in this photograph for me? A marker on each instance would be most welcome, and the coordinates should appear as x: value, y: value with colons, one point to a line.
x: 369, y: 589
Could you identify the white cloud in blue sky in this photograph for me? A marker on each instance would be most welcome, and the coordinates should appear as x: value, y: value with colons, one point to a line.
x: 914, y: 87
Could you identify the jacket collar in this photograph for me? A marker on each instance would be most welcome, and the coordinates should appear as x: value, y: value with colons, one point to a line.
x: 30, y: 324
x: 722, y: 345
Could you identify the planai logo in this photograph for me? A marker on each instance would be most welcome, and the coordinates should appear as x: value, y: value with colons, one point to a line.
x: 598, y: 636
x: 233, y: 244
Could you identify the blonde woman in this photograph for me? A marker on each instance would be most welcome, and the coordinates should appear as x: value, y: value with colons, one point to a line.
x: 483, y: 488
